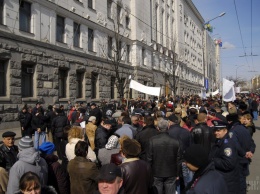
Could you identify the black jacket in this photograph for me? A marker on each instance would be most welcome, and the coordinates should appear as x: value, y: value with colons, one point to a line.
x: 203, y: 135
x: 207, y: 180
x: 224, y: 155
x: 38, y: 122
x: 143, y: 138
x: 48, y: 118
x: 8, y: 156
x: 58, y: 124
x: 97, y: 113
x: 181, y: 134
x: 101, y: 137
x: 164, y: 155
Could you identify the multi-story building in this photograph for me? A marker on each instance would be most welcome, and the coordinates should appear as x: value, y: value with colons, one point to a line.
x: 58, y: 50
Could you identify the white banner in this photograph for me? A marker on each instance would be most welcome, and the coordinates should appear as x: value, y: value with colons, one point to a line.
x: 237, y: 89
x: 215, y: 93
x: 228, y: 91
x: 145, y: 89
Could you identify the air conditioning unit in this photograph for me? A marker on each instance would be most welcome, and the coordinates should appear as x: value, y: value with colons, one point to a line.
x: 29, y: 70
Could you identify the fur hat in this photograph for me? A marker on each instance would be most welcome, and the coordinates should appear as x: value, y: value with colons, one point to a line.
x: 131, y: 147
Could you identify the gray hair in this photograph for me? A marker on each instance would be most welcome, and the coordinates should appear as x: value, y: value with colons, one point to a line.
x: 163, y: 125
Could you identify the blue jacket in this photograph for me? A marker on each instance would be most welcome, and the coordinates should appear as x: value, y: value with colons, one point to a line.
x: 225, y: 158
x: 208, y: 181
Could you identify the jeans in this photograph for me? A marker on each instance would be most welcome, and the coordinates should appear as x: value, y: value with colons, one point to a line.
x: 255, y: 115
x: 187, y: 176
x: 167, y: 182
x: 37, y: 137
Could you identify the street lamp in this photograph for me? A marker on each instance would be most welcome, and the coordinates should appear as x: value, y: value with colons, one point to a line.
x: 237, y: 69
x: 204, y: 45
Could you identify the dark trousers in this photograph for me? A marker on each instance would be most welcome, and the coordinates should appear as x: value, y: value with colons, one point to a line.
x: 57, y: 141
x: 166, y: 184
x: 243, y: 173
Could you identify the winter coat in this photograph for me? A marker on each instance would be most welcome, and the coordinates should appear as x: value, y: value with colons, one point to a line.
x: 101, y: 137
x: 28, y: 160
x: 243, y: 140
x: 104, y: 155
x: 57, y: 176
x: 181, y: 134
x: 137, y: 176
x: 8, y: 156
x: 97, y: 113
x: 127, y: 130
x: 207, y: 181
x: 83, y: 176
x: 203, y: 135
x: 90, y: 132
x: 224, y: 155
x: 143, y: 138
x: 58, y: 123
x: 163, y: 155
x: 70, y: 150
x: 38, y: 122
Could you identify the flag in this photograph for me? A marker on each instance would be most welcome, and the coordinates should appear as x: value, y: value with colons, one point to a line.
x: 228, y: 90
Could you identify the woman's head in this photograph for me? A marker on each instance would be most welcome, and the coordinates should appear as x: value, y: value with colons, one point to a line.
x: 81, y: 149
x: 248, y: 119
x: 30, y: 183
x: 75, y: 132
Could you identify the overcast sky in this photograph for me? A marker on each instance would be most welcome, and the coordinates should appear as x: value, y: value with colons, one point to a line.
x: 239, y: 33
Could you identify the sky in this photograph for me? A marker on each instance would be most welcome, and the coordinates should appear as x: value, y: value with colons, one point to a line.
x: 239, y: 33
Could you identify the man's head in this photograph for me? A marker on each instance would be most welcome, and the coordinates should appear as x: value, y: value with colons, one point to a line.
x: 135, y: 120
x: 173, y: 119
x: 162, y: 125
x: 107, y: 124
x: 220, y: 128
x: 202, y: 118
x: 195, y: 157
x: 130, y: 148
x: 93, y: 105
x: 109, y: 179
x: 8, y: 138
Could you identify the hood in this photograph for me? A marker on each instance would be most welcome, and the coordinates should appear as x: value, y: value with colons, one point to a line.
x: 29, y: 155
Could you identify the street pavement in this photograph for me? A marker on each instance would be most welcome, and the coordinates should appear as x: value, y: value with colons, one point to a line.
x: 253, y: 179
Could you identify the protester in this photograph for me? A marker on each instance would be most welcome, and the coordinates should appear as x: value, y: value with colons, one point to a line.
x: 126, y: 128
x: 90, y: 131
x: 28, y: 160
x: 8, y: 157
x: 96, y: 112
x: 83, y: 173
x: 206, y: 179
x: 163, y: 154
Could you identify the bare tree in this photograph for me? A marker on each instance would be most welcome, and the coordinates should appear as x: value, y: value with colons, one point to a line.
x: 114, y: 51
x: 239, y: 82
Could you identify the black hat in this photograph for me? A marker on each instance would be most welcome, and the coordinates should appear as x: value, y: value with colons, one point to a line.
x: 219, y: 124
x: 58, y: 110
x: 232, y: 117
x: 109, y: 172
x: 173, y: 118
x: 9, y: 134
x: 93, y: 104
x: 196, y: 155
x: 107, y: 122
x: 82, y: 110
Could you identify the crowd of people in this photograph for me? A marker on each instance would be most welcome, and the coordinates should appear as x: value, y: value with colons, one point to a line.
x: 167, y: 145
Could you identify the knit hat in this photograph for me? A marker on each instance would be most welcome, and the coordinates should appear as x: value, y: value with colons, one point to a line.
x: 112, y: 142
x: 131, y: 147
x: 196, y: 155
x: 25, y: 142
x: 92, y: 118
x: 47, y: 148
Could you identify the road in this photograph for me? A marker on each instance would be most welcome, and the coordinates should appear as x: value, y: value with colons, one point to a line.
x: 253, y: 179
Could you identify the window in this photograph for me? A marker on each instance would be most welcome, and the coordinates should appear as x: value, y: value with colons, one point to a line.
x: 143, y: 56
x: 127, y: 53
x: 1, y: 11
x: 118, y: 10
x: 63, y: 74
x: 25, y: 16
x: 109, y: 7
x: 94, y: 81
x: 90, y: 4
x: 27, y: 80
x: 112, y: 86
x: 60, y: 29
x: 76, y: 37
x: 109, y: 46
x: 3, y: 67
x: 90, y: 40
x: 79, y: 84
x: 127, y: 21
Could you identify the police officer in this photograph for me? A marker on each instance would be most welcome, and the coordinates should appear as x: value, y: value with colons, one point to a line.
x: 225, y: 157
x: 8, y: 156
x: 245, y: 146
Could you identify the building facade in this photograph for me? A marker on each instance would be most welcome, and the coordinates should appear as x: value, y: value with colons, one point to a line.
x: 53, y: 51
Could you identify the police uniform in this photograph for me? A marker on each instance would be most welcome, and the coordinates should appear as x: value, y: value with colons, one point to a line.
x: 225, y: 157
